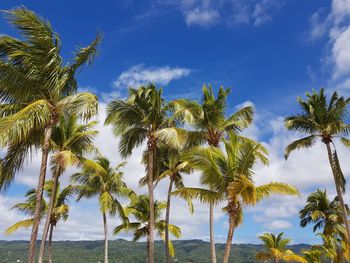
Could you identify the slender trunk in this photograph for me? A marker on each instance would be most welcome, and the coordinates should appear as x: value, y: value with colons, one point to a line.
x: 229, y: 238
x: 39, y: 195
x: 50, y: 243
x: 339, y: 191
x: 148, y: 242
x: 211, y: 230
x: 167, y: 219
x: 211, y: 216
x: 152, y: 152
x: 106, y: 236
x: 49, y: 215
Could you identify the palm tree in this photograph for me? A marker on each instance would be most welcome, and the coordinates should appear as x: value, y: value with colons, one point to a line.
x: 233, y: 170
x: 325, y: 121
x: 211, y: 125
x: 60, y: 209
x: 70, y: 141
x: 36, y: 86
x: 326, y: 215
x: 139, y: 209
x: 98, y: 178
x: 135, y: 120
x: 173, y: 168
x: 276, y: 249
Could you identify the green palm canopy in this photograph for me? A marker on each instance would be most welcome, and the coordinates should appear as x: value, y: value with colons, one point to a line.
x: 139, y: 210
x: 276, y: 249
x: 36, y: 87
x: 99, y: 179
x: 320, y: 119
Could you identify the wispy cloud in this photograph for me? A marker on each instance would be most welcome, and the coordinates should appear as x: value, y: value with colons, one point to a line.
x: 336, y: 26
x: 278, y: 224
x: 140, y: 74
x: 201, y: 17
x: 209, y: 13
x: 228, y: 12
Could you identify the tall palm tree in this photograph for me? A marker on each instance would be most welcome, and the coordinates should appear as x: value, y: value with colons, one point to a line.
x: 326, y: 215
x: 276, y: 249
x: 139, y: 209
x: 60, y: 209
x: 173, y: 169
x: 233, y: 170
x: 98, y: 178
x: 211, y: 125
x: 326, y: 121
x: 136, y: 120
x: 36, y: 86
x: 70, y: 141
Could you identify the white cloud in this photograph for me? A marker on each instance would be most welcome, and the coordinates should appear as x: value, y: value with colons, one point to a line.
x: 208, y: 13
x: 336, y: 25
x: 139, y: 74
x: 262, y: 11
x: 203, y: 18
x: 278, y: 224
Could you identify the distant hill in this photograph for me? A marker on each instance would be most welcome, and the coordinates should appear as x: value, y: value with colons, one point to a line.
x: 122, y: 251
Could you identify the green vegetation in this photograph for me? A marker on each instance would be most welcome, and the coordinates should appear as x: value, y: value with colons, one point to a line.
x: 276, y: 249
x: 122, y: 251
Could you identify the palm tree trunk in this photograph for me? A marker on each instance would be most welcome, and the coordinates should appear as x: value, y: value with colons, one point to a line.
x: 167, y: 219
x: 211, y: 230
x: 106, y: 236
x: 50, y: 243
x: 39, y: 194
x: 49, y: 214
x: 147, y: 258
x: 151, y: 160
x: 339, y: 191
x: 229, y: 238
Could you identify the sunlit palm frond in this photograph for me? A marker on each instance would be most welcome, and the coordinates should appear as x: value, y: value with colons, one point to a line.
x: 27, y: 223
x: 17, y: 127
x: 83, y: 104
x: 203, y: 195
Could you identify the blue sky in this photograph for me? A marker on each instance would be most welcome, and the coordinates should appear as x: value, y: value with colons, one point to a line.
x: 268, y: 51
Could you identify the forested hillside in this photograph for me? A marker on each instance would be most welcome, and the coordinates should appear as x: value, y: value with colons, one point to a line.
x: 122, y: 251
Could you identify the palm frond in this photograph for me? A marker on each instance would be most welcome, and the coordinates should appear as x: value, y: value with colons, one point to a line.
x: 203, y: 195
x: 275, y: 188
x: 17, y: 127
x: 305, y: 142
x: 21, y: 224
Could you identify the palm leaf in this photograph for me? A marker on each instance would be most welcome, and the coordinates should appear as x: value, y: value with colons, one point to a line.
x: 305, y: 142
x: 21, y: 224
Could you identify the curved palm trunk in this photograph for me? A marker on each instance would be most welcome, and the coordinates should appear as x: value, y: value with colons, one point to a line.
x: 39, y: 195
x: 48, y: 216
x: 211, y: 230
x: 229, y: 239
x: 50, y: 243
x: 152, y: 153
x: 167, y: 219
x: 106, y: 236
x: 339, y: 191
